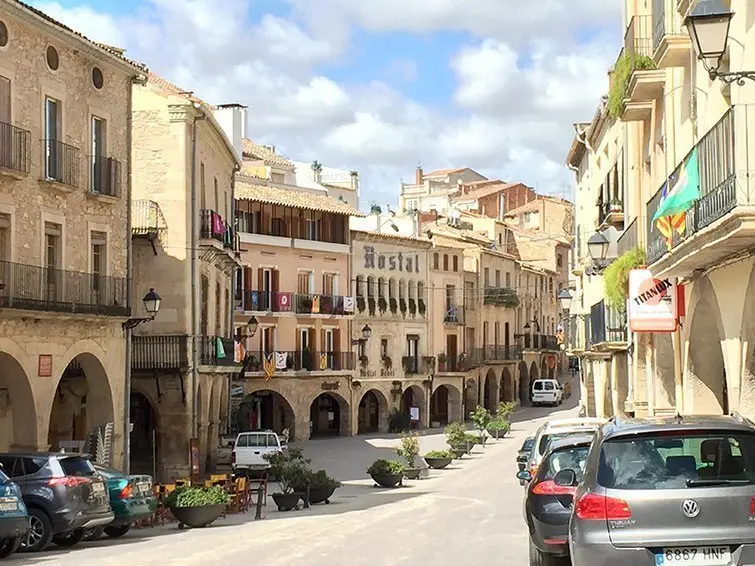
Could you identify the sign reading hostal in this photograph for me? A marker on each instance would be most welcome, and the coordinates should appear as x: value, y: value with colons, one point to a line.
x: 653, y: 303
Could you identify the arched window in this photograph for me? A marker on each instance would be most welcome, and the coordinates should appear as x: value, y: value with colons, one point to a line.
x: 360, y: 286
x: 371, y: 287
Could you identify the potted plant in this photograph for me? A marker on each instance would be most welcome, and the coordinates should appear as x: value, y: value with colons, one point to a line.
x: 498, y: 427
x: 412, y: 307
x: 197, y: 506
x: 382, y: 305
x: 442, y: 361
x: 386, y: 473
x: 421, y: 308
x: 364, y: 360
x: 481, y: 418
x: 438, y: 459
x: 408, y: 451
x: 505, y: 410
x: 456, y: 437
x: 289, y: 469
x: 402, y: 306
x: 321, y: 486
x: 306, y: 359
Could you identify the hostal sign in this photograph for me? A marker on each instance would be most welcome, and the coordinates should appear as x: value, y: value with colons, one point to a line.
x: 408, y: 263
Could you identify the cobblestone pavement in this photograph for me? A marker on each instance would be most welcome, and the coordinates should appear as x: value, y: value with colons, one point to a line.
x: 469, y: 513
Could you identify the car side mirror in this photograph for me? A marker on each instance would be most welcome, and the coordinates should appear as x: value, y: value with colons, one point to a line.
x: 565, y: 478
x: 524, y: 475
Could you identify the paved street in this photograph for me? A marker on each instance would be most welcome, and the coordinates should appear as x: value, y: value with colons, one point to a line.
x: 469, y: 513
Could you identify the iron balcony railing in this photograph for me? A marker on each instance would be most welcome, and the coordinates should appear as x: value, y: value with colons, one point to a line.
x: 537, y: 341
x: 146, y: 218
x: 160, y: 352
x: 638, y: 39
x: 414, y: 365
x: 500, y: 296
x: 607, y: 324
x: 452, y: 363
x: 725, y: 179
x: 43, y: 289
x: 106, y: 176
x: 14, y: 148
x: 665, y: 22
x: 628, y: 239
x: 316, y: 304
x: 214, y: 227
x: 217, y: 351
x: 497, y: 353
x: 62, y: 163
x: 286, y: 361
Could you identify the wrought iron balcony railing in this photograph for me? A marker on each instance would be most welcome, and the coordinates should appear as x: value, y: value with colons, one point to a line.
x: 14, y: 148
x: 61, y: 163
x: 160, y: 352
x: 607, y: 324
x: 628, y: 239
x: 287, y: 361
x: 105, y: 176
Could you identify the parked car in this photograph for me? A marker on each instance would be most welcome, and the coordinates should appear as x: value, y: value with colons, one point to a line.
x: 524, y: 452
x: 63, y: 493
x: 250, y: 449
x: 14, y: 520
x: 666, y: 491
x: 131, y: 498
x: 547, y: 506
x: 546, y: 392
x: 559, y: 428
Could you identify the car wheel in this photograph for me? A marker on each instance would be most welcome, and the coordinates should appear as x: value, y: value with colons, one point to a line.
x: 69, y: 539
x: 40, y: 531
x: 115, y: 532
x: 92, y: 534
x: 8, y: 546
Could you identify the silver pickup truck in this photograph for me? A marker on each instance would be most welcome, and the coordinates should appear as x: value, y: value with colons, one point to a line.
x: 250, y: 449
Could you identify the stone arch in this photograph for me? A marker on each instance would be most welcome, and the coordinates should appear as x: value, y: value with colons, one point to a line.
x: 534, y: 375
x: 19, y: 428
x: 507, y: 386
x: 490, y: 395
x: 145, y: 438
x: 524, y: 380
x: 414, y: 396
x: 372, y: 412
x: 747, y: 388
x: 82, y: 398
x: 329, y: 415
x: 706, y: 369
x: 445, y: 404
x: 264, y: 408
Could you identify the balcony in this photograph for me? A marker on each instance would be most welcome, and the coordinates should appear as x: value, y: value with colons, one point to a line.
x: 217, y: 351
x: 575, y: 335
x: 213, y: 227
x: 456, y: 363
x: 454, y: 315
x: 608, y: 327
x: 61, y: 163
x: 105, y: 176
x: 148, y: 222
x: 161, y: 352
x: 628, y: 239
x: 332, y: 305
x: 29, y: 287
x: 635, y: 81
x: 414, y: 365
x: 293, y: 361
x: 538, y: 341
x: 722, y: 222
x: 500, y: 297
x: 671, y: 45
x: 14, y: 150
x: 494, y: 353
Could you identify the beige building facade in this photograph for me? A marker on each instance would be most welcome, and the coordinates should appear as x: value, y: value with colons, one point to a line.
x: 64, y: 242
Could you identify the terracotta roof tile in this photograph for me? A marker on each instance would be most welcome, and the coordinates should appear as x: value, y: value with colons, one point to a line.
x: 250, y: 188
x: 444, y: 172
x: 258, y: 151
x: 109, y: 50
x: 368, y: 234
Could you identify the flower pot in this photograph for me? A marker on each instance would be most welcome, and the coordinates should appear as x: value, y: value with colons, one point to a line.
x: 286, y: 501
x: 437, y: 463
x: 320, y: 494
x: 459, y: 450
x: 197, y: 517
x: 412, y: 473
x: 387, y: 480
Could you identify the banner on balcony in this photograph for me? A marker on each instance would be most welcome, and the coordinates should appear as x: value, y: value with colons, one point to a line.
x: 283, y: 301
x: 268, y: 366
x: 315, y: 304
x: 281, y: 359
x: 254, y: 300
x: 653, y: 305
x: 218, y: 226
x: 348, y: 304
x: 678, y: 195
x: 323, y: 361
x: 219, y: 349
x: 239, y: 352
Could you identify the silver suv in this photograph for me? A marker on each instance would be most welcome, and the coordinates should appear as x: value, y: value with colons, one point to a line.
x: 555, y: 429
x: 666, y: 491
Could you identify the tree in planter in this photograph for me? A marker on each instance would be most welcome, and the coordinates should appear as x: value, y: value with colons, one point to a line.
x: 505, y: 410
x: 382, y: 305
x: 498, y: 427
x: 481, y: 419
x: 456, y: 435
x: 394, y: 305
x: 408, y: 451
x: 412, y: 307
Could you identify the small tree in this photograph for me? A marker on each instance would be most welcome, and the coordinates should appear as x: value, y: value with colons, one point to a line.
x: 456, y: 434
x: 409, y: 449
x: 481, y: 419
x: 505, y: 410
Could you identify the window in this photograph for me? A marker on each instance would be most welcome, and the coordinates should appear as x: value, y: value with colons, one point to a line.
x: 5, y: 106
x: 204, y: 308
x: 497, y: 331
x: 456, y: 263
x: 572, y: 458
x: 53, y: 234
x: 487, y: 277
x: 311, y: 229
x: 53, y: 59
x: 445, y: 262
x: 497, y: 277
x: 203, y: 195
x: 559, y: 261
x: 383, y: 347
x: 277, y: 178
x: 328, y: 284
x: 77, y: 467
x: 98, y: 80
x: 303, y: 339
x: 508, y: 280
x: 268, y: 339
x: 303, y: 284
x: 218, y: 310
x: 99, y: 164
x: 52, y: 134
x: 436, y: 260
x: 3, y: 34
x: 412, y: 354
x: 98, y: 258
x: 5, y: 234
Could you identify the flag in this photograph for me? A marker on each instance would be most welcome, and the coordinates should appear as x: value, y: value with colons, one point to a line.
x: 219, y: 349
x: 667, y: 224
x: 269, y: 366
x: 678, y: 195
x: 239, y: 352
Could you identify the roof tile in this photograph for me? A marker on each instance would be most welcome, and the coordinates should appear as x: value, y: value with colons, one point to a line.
x: 258, y: 151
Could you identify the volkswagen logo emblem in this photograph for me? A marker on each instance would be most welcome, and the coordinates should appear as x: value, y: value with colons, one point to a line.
x: 690, y: 508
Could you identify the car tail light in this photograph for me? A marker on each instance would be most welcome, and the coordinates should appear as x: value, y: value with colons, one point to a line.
x: 594, y: 507
x: 127, y: 491
x: 752, y: 506
x: 549, y: 487
x: 68, y: 481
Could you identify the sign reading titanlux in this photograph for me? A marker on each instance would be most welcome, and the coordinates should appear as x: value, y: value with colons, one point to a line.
x: 394, y: 262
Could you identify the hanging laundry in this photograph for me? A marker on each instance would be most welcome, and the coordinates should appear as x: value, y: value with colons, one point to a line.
x: 315, y: 304
x: 218, y: 226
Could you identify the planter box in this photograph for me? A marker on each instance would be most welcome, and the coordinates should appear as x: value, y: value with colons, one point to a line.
x: 197, y: 517
x: 437, y: 463
x: 387, y: 480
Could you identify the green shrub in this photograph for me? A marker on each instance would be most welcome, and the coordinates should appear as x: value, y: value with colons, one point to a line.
x: 398, y: 421
x: 505, y: 410
x: 480, y: 417
x: 409, y: 449
x: 622, y: 72
x: 456, y: 434
x: 186, y: 496
x: 386, y: 468
x: 616, y: 277
x: 439, y: 454
x: 500, y: 425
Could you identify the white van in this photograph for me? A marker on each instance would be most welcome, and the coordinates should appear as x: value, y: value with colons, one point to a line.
x: 250, y: 448
x: 547, y: 392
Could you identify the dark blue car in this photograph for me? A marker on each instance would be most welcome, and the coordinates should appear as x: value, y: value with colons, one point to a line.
x: 14, y: 520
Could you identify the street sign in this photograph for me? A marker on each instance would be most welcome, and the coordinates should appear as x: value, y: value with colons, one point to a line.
x: 653, y: 305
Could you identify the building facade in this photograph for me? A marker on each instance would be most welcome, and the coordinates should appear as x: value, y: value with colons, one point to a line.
x: 185, y: 247
x: 64, y: 241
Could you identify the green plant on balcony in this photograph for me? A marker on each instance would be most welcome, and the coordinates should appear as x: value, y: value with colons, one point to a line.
x: 361, y: 304
x: 254, y: 364
x: 382, y: 305
x: 402, y: 305
x: 506, y: 298
x: 421, y: 307
x: 412, y: 307
x: 393, y: 303
x: 387, y: 362
x: 622, y: 73
x: 364, y: 360
x: 371, y: 305
x: 326, y: 304
x: 616, y: 276
x: 306, y: 359
x: 442, y: 361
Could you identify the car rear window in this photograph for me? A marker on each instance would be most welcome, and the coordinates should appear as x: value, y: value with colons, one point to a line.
x: 3, y: 477
x: 545, y: 440
x: 678, y: 461
x: 77, y: 467
x: 538, y: 386
x: 572, y: 458
x: 528, y: 444
x: 549, y: 386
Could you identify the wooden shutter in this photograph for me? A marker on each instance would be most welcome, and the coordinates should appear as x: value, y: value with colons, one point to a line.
x: 323, y: 342
x: 298, y: 340
x: 337, y: 340
x: 275, y: 280
x: 312, y: 341
x: 260, y: 279
x: 248, y: 279
x: 5, y: 100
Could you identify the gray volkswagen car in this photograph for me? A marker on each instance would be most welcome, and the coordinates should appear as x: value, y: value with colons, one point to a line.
x: 666, y: 492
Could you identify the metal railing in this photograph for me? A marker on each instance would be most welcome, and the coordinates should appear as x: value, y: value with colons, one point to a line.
x: 638, y: 39
x: 217, y: 351
x: 665, y: 22
x: 537, y: 341
x: 455, y: 363
x: 305, y: 360
x: 14, y: 148
x: 415, y: 365
x: 725, y: 183
x: 106, y: 175
x: 160, y: 352
x: 316, y: 304
x: 454, y: 314
x: 500, y: 296
x: 497, y: 353
x: 62, y: 163
x: 146, y: 218
x: 628, y: 239
x: 56, y: 290
x: 607, y: 324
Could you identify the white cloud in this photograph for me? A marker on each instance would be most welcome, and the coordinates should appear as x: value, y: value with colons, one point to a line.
x: 514, y: 101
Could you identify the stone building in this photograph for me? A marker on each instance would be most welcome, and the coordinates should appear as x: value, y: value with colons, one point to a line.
x: 64, y: 241
x: 186, y: 248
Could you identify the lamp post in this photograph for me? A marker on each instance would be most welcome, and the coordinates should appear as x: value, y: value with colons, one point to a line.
x: 597, y: 246
x: 366, y: 333
x: 565, y: 298
x: 710, y: 35
x: 152, y: 303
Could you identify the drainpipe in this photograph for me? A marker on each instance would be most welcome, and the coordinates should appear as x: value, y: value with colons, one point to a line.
x: 236, y: 169
x: 200, y: 115
x: 141, y: 80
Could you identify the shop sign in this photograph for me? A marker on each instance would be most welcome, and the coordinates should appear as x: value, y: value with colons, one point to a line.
x: 408, y: 263
x: 330, y: 385
x: 653, y: 304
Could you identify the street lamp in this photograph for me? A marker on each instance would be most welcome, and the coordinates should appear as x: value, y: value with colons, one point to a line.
x: 251, y: 326
x: 564, y: 297
x: 527, y: 326
x: 151, y: 304
x: 366, y: 333
x: 710, y: 34
x: 597, y: 246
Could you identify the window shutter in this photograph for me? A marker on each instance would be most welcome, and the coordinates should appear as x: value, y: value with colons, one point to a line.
x: 337, y: 340
x: 298, y: 340
x: 276, y: 280
x: 248, y: 279
x: 260, y: 278
x: 323, y: 342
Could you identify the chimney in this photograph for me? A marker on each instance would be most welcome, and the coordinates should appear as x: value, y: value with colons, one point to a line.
x: 355, y: 181
x: 420, y: 176
x: 232, y: 118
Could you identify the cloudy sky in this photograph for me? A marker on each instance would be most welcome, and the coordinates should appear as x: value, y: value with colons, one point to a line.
x: 382, y: 85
